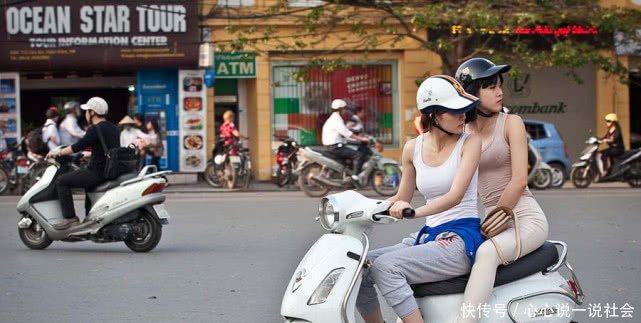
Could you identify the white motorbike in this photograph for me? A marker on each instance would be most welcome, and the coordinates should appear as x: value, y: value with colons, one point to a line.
x: 540, y: 174
x: 325, y: 284
x: 130, y: 209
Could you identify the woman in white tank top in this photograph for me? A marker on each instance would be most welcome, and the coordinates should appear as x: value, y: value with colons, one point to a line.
x: 442, y: 164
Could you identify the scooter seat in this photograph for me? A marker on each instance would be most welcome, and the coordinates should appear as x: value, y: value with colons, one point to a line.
x: 113, y: 183
x: 537, y: 261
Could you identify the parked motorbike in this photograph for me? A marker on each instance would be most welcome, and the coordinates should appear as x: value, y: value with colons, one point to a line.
x: 325, y: 284
x: 286, y: 161
x: 625, y: 168
x: 129, y: 209
x: 17, y: 166
x: 540, y: 174
x: 319, y: 171
x: 230, y: 166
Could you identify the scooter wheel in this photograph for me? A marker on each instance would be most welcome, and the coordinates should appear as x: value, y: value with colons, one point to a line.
x: 150, y: 232
x: 34, y: 237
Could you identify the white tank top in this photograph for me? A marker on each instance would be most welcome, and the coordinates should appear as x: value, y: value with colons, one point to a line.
x: 434, y: 182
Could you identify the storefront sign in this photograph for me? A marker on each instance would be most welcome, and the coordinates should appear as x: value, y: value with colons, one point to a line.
x: 39, y: 36
x: 235, y: 65
x: 10, y: 106
x: 561, y: 31
x: 192, y: 105
x: 539, y: 108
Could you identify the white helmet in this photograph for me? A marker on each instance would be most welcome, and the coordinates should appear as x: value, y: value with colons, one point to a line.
x: 97, y: 104
x: 444, y: 93
x: 338, y: 104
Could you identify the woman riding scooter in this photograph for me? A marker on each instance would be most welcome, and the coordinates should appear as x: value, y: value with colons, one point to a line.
x: 614, y: 139
x: 95, y: 113
x: 442, y: 164
x: 502, y: 180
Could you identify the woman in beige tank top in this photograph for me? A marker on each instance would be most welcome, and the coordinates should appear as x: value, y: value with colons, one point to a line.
x: 502, y: 180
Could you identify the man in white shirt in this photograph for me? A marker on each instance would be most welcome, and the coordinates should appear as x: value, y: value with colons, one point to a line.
x: 50, y: 129
x: 70, y: 131
x: 335, y: 133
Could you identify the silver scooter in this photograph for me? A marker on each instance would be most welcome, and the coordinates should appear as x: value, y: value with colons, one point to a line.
x: 129, y: 209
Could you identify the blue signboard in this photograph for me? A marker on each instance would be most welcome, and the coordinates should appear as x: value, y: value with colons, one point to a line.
x: 158, y: 100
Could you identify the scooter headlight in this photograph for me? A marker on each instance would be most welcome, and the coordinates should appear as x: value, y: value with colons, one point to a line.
x: 328, y: 217
x: 322, y: 291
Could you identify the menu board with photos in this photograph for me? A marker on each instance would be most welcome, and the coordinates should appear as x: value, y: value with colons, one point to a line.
x: 192, y: 105
x: 10, y: 106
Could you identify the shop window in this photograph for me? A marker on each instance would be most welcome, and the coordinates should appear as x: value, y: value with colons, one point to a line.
x: 235, y: 3
x: 305, y: 3
x: 301, y: 108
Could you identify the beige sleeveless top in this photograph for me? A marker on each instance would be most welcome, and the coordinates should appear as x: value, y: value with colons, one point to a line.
x: 495, y: 166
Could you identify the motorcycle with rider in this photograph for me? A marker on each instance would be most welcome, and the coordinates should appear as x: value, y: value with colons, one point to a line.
x: 346, y: 160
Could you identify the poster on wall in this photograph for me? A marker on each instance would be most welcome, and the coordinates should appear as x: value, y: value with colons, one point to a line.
x: 10, y: 106
x: 192, y: 103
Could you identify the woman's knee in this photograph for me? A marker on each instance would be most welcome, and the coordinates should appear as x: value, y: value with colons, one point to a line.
x: 487, y: 253
x: 383, y: 265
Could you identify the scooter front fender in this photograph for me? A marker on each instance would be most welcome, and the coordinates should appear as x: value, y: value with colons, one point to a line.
x: 331, y: 253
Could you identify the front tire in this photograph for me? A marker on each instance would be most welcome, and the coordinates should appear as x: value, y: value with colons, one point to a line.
x: 34, y: 237
x: 229, y: 176
x: 211, y: 176
x: 4, y: 180
x: 558, y: 175
x: 386, y: 181
x: 148, y: 237
x: 310, y: 187
x: 582, y: 177
x: 542, y: 179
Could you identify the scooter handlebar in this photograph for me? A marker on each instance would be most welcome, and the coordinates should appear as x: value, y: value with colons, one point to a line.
x: 408, y: 213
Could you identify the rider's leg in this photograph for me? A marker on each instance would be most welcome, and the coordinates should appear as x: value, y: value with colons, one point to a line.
x: 81, y: 178
x: 533, y: 229
x: 395, y: 271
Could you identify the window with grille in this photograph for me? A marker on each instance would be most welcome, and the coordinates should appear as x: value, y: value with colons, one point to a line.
x: 301, y: 108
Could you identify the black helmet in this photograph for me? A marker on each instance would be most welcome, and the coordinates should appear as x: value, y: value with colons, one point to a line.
x: 478, y: 68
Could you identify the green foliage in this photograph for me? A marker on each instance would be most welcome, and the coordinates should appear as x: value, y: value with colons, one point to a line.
x: 457, y: 30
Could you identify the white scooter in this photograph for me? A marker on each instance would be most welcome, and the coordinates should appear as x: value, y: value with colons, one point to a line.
x: 325, y: 284
x: 130, y: 209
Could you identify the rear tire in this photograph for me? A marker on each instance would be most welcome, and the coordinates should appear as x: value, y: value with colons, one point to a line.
x: 384, y: 183
x: 558, y: 175
x: 635, y: 175
x: 34, y: 237
x: 582, y: 178
x: 310, y: 187
x: 149, y: 237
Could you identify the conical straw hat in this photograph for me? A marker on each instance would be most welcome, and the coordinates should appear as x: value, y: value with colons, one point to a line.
x: 126, y: 120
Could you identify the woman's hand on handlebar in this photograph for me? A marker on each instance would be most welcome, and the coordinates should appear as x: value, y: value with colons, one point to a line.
x: 397, y: 208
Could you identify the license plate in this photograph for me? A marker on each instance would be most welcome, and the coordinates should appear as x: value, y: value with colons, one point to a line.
x: 162, y: 213
x: 234, y: 159
x: 21, y: 170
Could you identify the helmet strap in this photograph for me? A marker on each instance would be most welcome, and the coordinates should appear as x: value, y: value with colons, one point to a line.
x: 485, y: 115
x: 435, y: 124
